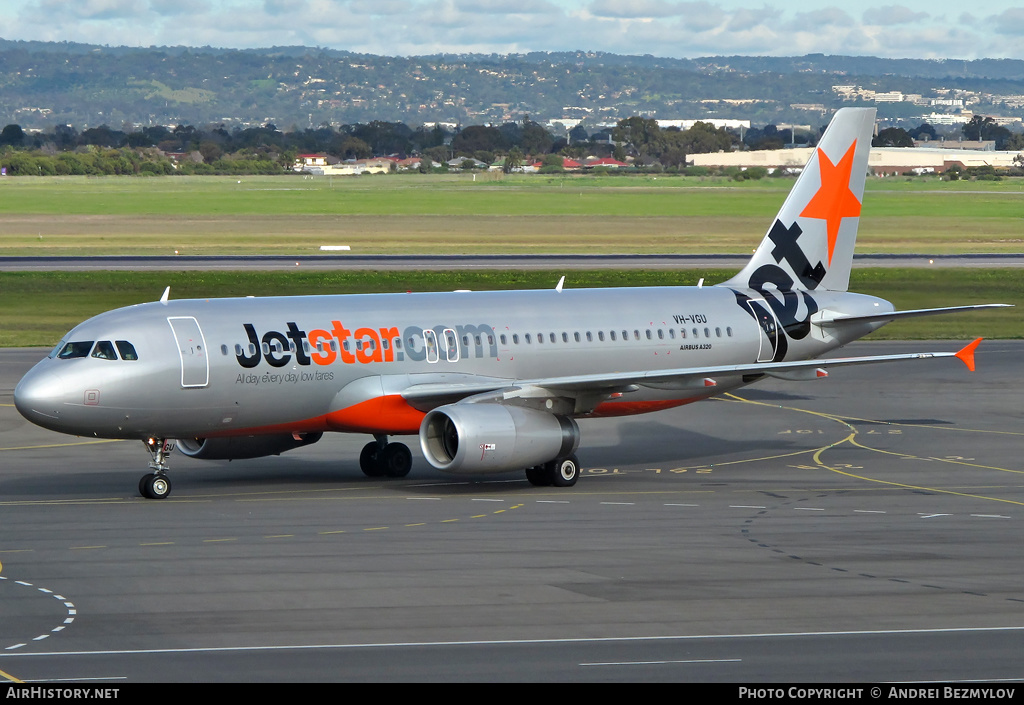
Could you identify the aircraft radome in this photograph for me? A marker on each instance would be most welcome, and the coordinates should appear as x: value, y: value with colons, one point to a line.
x: 490, y: 381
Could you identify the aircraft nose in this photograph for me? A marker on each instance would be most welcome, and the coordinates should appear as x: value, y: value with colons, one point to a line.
x: 39, y: 396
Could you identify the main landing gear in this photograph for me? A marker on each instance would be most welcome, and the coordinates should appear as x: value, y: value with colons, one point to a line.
x: 560, y: 472
x: 156, y: 485
x: 380, y: 458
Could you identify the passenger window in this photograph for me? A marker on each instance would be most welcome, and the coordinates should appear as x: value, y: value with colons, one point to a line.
x: 576, y: 336
x: 75, y: 349
x: 612, y: 334
x: 104, y: 350
x: 126, y: 349
x: 600, y: 335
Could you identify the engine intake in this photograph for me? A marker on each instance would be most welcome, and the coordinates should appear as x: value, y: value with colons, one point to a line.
x: 486, y: 438
x: 240, y: 447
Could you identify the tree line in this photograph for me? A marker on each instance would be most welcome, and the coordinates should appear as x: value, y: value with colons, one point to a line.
x: 215, y: 149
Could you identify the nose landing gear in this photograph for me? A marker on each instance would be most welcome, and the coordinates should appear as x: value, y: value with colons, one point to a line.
x: 156, y: 485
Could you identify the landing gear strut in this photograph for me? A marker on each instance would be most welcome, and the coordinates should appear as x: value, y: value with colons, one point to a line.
x: 560, y: 472
x: 156, y: 485
x: 380, y: 458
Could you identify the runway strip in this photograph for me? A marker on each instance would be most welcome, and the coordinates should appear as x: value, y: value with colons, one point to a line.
x: 404, y: 262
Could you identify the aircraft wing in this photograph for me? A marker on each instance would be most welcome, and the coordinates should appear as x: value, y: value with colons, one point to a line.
x: 597, y: 387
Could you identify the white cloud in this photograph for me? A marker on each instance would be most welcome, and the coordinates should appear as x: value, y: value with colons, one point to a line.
x: 380, y: 7
x: 1009, y: 22
x: 745, y: 20
x: 893, y: 14
x: 679, y: 28
x: 90, y: 9
x: 507, y: 7
x: 638, y: 9
x: 826, y: 17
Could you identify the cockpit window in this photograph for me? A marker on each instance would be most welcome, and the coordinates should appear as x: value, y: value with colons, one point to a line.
x: 127, y: 350
x: 104, y: 350
x: 75, y: 349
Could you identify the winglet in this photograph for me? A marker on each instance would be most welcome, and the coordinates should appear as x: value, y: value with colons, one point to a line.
x: 967, y: 353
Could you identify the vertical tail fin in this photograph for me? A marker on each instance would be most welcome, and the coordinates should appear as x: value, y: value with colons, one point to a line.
x: 811, y: 241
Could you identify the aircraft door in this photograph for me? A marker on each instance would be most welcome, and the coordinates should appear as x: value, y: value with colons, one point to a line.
x: 195, y: 364
x: 430, y: 343
x: 451, y: 344
x: 768, y: 329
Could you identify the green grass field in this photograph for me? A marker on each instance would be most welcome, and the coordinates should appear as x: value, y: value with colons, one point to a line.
x: 455, y: 214
x: 37, y: 308
x: 489, y: 214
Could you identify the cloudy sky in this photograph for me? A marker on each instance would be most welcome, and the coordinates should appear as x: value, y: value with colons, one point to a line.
x: 676, y: 28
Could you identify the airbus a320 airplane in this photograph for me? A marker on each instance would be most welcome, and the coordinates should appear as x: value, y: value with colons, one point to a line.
x: 490, y: 381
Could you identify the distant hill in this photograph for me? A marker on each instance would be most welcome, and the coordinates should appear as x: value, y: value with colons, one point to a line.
x: 49, y: 83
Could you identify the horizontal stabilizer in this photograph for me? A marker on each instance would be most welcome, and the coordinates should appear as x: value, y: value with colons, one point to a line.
x: 828, y: 318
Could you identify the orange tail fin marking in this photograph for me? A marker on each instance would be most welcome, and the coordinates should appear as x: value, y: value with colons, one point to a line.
x: 966, y: 354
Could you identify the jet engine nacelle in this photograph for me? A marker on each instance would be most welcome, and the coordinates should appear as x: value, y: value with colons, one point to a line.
x: 239, y: 447
x: 484, y: 438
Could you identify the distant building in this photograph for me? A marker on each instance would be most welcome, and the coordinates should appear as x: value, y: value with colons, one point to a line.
x: 606, y: 162
x: 305, y: 161
x: 882, y: 161
x: 717, y: 122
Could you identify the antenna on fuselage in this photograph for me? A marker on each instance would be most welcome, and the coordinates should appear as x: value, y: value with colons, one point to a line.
x: 166, y: 295
x: 558, y: 286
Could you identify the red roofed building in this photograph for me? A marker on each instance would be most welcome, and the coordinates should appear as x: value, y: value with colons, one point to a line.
x: 606, y: 162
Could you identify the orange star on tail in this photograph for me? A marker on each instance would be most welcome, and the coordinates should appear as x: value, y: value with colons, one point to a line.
x: 834, y: 199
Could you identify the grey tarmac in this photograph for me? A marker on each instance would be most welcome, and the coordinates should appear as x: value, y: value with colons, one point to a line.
x: 860, y: 528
